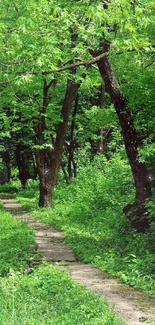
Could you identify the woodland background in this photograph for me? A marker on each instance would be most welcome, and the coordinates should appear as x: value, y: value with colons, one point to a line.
x: 77, y: 123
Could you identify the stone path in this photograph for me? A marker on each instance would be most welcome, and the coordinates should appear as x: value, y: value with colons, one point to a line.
x: 133, y: 306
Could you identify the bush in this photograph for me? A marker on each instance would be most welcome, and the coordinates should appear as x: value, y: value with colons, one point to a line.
x: 89, y: 211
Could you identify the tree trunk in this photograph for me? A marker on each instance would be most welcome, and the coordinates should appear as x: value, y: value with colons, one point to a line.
x: 100, y: 133
x: 7, y: 161
x: 66, y: 176
x: 136, y: 212
x: 99, y: 101
x: 21, y: 164
x: 49, y: 160
x: 46, y: 185
x: 71, y: 163
x: 35, y: 171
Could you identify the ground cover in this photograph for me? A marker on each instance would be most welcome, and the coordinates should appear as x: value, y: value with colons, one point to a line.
x: 42, y: 295
x: 89, y: 211
x: 47, y: 296
x: 16, y: 243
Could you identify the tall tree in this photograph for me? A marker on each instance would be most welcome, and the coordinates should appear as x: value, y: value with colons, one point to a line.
x: 34, y: 48
x: 136, y: 212
x: 49, y: 158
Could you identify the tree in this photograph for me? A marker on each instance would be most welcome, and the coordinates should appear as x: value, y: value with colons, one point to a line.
x: 39, y: 59
x: 135, y: 212
x: 49, y: 158
x: 48, y: 129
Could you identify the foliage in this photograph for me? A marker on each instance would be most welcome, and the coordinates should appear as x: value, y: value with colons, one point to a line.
x: 3, y: 173
x: 134, y: 70
x: 11, y: 187
x: 89, y: 211
x: 37, y: 39
x: 43, y: 295
x: 16, y: 242
x: 48, y: 296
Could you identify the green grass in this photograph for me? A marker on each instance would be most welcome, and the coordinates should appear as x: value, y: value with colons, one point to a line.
x: 49, y: 297
x: 43, y: 295
x: 89, y: 211
x: 16, y: 241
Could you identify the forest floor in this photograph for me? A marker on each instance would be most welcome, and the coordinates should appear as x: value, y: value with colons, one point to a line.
x: 133, y: 306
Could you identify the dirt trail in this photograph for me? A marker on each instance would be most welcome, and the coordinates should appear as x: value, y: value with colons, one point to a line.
x: 133, y: 306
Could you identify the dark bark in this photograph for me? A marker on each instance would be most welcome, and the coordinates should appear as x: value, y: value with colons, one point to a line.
x: 102, y: 134
x: 21, y: 163
x: 71, y: 162
x: 135, y: 212
x: 35, y: 170
x: 100, y: 144
x: 65, y: 173
x: 46, y: 183
x: 49, y: 159
x: 7, y: 161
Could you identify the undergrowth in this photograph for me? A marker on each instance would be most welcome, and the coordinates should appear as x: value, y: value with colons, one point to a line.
x: 89, y: 211
x: 42, y: 295
x: 16, y: 241
x: 49, y: 297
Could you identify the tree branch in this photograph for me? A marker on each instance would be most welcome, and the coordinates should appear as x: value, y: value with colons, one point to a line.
x: 78, y: 64
x: 68, y: 66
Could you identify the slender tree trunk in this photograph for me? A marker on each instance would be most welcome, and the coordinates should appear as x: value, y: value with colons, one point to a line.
x: 21, y: 163
x: 100, y: 133
x: 71, y: 163
x: 99, y: 101
x: 100, y: 143
x: 35, y: 171
x: 65, y: 173
x: 46, y: 185
x: 7, y: 161
x: 49, y: 160
x: 135, y: 212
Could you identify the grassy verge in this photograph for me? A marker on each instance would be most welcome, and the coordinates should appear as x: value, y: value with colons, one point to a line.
x: 43, y: 295
x: 49, y: 297
x: 16, y: 241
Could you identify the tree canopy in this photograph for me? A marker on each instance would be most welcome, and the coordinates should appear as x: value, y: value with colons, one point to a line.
x: 76, y: 80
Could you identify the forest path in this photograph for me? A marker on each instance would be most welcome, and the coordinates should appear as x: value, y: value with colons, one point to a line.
x: 132, y: 306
